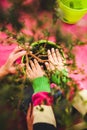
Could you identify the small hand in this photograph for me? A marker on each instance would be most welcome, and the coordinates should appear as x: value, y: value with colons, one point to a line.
x: 30, y: 118
x: 9, y: 66
x: 34, y: 70
x: 56, y: 61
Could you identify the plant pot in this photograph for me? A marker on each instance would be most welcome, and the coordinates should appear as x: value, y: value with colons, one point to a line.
x: 72, y: 10
x: 39, y: 51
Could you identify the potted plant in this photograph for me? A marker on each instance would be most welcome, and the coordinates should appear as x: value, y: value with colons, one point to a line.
x: 39, y: 50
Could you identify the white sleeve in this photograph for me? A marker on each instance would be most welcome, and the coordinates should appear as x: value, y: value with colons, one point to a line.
x: 80, y: 102
x: 44, y: 114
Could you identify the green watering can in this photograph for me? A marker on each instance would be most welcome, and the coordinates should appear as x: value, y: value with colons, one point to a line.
x: 71, y: 11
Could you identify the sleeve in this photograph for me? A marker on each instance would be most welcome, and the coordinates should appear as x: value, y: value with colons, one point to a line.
x: 42, y: 104
x: 80, y: 102
x: 41, y: 84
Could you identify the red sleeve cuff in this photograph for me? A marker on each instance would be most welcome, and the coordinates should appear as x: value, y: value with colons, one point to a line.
x: 44, y: 98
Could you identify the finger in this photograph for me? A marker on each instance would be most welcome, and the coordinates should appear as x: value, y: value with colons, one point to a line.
x: 59, y: 57
x: 61, y: 60
x: 28, y: 68
x: 28, y: 75
x: 29, y: 112
x: 47, y: 65
x: 52, y: 66
x: 39, y: 70
x: 50, y: 58
x: 32, y: 65
x: 17, y: 49
x: 54, y: 55
x: 37, y: 64
x: 18, y: 55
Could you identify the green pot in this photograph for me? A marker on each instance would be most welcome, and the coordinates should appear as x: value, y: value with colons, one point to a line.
x: 39, y: 49
x: 44, y: 45
x: 71, y: 11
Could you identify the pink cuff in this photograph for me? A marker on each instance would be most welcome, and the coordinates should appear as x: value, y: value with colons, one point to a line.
x: 44, y: 98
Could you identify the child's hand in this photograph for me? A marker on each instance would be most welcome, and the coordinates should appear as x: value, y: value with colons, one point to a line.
x: 34, y: 70
x: 10, y: 66
x: 56, y: 61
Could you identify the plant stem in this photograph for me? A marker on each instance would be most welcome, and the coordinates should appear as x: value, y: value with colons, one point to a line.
x: 38, y: 59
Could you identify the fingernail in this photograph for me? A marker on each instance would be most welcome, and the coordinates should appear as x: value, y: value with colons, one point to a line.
x: 48, y: 50
x: 35, y: 60
x: 52, y: 49
x: 46, y: 63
